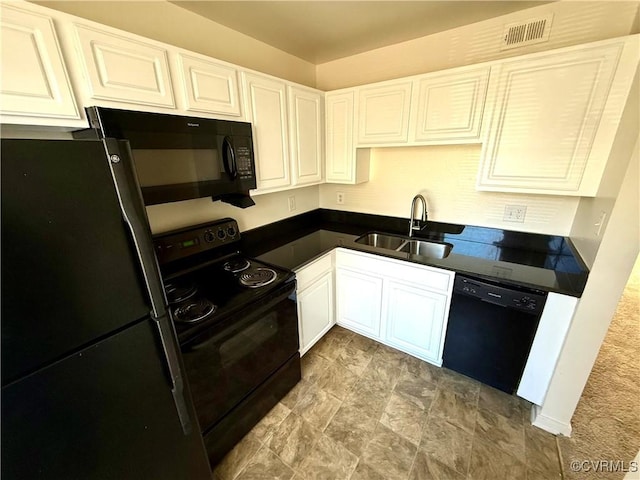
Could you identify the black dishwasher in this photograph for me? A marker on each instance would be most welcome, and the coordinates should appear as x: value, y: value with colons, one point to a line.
x: 490, y: 330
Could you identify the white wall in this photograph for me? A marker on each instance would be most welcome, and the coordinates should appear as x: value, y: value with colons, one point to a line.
x: 268, y: 208
x: 573, y: 23
x: 446, y: 176
x: 611, y: 269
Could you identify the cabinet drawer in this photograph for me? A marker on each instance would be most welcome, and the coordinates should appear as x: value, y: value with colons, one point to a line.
x: 422, y: 275
x: 309, y: 273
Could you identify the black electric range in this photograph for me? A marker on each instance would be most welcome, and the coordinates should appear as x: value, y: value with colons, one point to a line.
x: 237, y: 325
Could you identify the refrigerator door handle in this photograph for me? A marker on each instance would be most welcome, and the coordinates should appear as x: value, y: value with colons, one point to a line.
x: 135, y: 216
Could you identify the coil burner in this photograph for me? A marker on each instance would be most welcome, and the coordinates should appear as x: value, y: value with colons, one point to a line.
x: 237, y: 265
x: 258, y: 277
x: 193, y: 311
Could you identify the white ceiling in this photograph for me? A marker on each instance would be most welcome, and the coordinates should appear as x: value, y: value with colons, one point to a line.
x: 321, y: 31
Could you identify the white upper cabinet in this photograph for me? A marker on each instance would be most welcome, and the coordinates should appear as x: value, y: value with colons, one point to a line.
x: 343, y: 163
x: 124, y: 69
x: 383, y: 113
x: 35, y: 87
x: 554, y: 116
x: 449, y: 106
x: 306, y: 122
x: 209, y: 86
x: 266, y: 102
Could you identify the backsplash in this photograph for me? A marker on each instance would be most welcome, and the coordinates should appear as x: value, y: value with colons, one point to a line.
x: 446, y: 176
x: 268, y: 208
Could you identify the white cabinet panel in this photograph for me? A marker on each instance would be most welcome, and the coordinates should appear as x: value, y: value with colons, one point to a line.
x: 383, y: 113
x: 267, y: 111
x: 414, y: 320
x: 343, y: 163
x: 124, y: 69
x: 210, y: 87
x: 306, y: 118
x: 315, y: 311
x: 34, y: 78
x: 545, y: 117
x: 450, y: 106
x: 359, y: 301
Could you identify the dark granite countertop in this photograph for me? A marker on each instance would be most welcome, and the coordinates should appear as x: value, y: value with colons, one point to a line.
x: 544, y: 262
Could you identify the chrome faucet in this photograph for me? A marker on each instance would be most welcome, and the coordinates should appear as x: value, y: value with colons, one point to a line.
x: 413, y: 227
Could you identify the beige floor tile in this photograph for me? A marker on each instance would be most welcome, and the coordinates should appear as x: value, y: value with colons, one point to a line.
x: 367, y: 399
x: 541, y: 451
x: 389, y: 454
x: 365, y: 472
x: 465, y: 387
x: 404, y: 418
x: 380, y: 375
x: 499, y: 402
x: 389, y: 355
x: 293, y: 440
x: 296, y: 393
x: 417, y: 390
x: 329, y: 460
x: 501, y: 432
x: 337, y: 380
x: 271, y: 420
x: 354, y: 359
x: 265, y: 465
x: 317, y: 407
x: 424, y: 370
x: 364, y: 344
x: 238, y: 458
x: 447, y: 443
x: 426, y: 467
x: 489, y: 462
x: 352, y: 427
x: 454, y: 409
x: 313, y: 366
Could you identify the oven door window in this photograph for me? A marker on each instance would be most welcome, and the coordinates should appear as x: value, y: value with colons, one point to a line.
x: 232, y: 358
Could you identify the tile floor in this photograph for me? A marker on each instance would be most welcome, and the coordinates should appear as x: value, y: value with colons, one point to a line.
x: 365, y: 411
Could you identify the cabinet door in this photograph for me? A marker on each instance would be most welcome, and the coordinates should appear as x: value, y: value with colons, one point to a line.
x: 266, y: 105
x: 315, y: 311
x: 545, y: 115
x: 306, y: 126
x: 359, y: 301
x: 383, y: 113
x: 209, y: 87
x: 450, y: 106
x: 34, y: 78
x: 339, y: 131
x: 125, y: 69
x: 414, y: 320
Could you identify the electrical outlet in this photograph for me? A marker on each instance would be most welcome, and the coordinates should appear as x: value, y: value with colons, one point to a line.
x: 292, y: 203
x: 340, y: 198
x: 514, y: 213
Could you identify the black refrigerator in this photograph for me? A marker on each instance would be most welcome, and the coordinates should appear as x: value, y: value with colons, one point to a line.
x: 92, y: 378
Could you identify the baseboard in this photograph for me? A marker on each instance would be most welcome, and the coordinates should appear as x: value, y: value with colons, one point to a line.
x: 549, y: 424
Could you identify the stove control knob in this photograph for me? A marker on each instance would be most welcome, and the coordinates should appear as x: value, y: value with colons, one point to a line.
x: 209, y: 236
x: 221, y: 234
x: 231, y: 231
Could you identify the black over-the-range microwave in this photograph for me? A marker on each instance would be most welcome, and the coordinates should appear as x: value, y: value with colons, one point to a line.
x: 181, y: 158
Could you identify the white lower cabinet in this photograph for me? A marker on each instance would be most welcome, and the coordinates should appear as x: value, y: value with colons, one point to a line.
x: 359, y: 301
x: 414, y: 318
x: 400, y: 304
x: 315, y: 301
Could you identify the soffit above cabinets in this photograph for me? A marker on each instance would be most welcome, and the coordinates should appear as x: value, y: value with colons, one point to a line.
x: 321, y: 31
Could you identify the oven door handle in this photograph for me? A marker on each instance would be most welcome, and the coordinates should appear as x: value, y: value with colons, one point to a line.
x: 134, y: 215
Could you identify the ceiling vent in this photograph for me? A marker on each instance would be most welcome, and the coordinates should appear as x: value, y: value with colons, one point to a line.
x: 526, y: 33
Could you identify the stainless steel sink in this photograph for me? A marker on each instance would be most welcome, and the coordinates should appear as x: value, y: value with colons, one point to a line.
x: 380, y: 240
x: 426, y: 249
x: 410, y: 246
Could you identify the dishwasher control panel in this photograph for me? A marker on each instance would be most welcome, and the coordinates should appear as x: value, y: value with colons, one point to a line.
x: 519, y: 298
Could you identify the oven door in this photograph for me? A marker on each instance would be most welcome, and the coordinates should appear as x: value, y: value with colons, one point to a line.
x: 228, y: 361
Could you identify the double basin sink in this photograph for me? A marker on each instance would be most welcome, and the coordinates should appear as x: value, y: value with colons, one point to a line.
x: 411, y: 246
